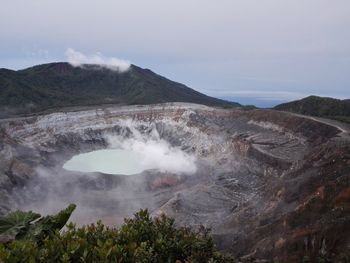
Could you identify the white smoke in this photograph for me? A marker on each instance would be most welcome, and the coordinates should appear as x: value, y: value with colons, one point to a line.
x: 154, y: 152
x: 78, y: 59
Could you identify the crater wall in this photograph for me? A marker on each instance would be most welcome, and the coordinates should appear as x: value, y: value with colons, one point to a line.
x: 268, y: 183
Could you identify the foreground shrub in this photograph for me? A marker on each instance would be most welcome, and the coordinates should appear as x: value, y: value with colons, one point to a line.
x: 139, y: 239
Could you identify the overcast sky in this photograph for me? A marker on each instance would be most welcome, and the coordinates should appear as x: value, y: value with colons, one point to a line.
x: 261, y: 51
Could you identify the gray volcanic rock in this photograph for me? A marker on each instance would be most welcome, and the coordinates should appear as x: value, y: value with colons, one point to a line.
x: 268, y: 183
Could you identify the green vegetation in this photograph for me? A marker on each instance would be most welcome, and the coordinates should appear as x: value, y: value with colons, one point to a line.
x: 57, y: 85
x: 319, y: 106
x: 32, y: 226
x: 340, y: 118
x: 140, y: 239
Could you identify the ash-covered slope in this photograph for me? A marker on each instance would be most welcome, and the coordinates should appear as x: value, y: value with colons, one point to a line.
x: 269, y: 184
x: 58, y: 85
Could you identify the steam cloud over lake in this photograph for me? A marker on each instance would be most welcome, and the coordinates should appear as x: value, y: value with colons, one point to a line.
x: 154, y: 152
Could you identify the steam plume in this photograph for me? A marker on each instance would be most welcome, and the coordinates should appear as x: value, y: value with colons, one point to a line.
x: 156, y: 153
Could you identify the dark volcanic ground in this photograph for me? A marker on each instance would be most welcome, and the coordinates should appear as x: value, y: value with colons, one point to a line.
x: 269, y: 184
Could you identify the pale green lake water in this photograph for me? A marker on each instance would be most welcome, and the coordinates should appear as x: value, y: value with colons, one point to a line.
x: 111, y: 161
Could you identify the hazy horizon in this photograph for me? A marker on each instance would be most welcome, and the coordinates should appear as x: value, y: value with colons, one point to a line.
x: 260, y: 53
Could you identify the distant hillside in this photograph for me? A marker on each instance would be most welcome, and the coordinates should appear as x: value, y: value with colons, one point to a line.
x: 319, y: 106
x: 57, y: 85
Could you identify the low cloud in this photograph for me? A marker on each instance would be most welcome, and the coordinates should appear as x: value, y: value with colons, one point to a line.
x: 78, y: 59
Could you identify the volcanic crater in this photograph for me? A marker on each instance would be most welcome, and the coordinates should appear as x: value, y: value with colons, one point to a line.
x: 266, y: 183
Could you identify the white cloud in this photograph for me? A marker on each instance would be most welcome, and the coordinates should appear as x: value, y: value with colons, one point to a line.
x: 78, y: 59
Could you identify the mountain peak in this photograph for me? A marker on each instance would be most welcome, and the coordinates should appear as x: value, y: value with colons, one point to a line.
x: 59, y: 84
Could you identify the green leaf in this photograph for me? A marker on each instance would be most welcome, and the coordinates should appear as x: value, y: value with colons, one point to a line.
x: 47, y: 225
x: 16, y: 224
x: 25, y: 225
